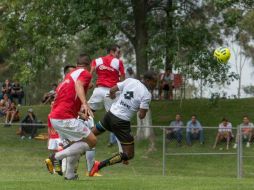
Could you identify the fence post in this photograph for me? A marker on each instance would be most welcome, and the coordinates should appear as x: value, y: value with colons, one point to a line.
x: 163, y: 152
x: 239, y: 153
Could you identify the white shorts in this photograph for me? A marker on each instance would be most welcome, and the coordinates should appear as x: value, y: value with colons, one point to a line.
x: 98, y: 97
x: 53, y: 144
x: 71, y: 129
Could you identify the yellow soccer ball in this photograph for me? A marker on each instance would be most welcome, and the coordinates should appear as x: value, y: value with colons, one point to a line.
x: 222, y: 54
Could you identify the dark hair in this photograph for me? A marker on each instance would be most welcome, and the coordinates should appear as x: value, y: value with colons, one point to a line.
x: 67, y: 67
x: 246, y: 116
x: 54, y: 84
x: 224, y: 119
x: 194, y: 115
x: 83, y: 59
x: 150, y: 75
x: 112, y: 47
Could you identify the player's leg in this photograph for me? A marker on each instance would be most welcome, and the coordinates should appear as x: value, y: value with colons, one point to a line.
x: 122, y: 131
x: 95, y: 101
x: 72, y: 162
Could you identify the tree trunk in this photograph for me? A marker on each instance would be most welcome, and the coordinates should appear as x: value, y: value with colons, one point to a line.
x: 169, y: 39
x: 141, y: 36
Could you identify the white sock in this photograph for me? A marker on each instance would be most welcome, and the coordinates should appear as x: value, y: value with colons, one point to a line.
x: 90, y: 159
x: 120, y: 149
x: 75, y: 149
x: 64, y: 165
x: 72, y: 162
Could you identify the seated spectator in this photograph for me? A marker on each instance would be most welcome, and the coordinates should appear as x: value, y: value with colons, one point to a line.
x: 49, y: 96
x: 224, y: 133
x: 17, y: 92
x: 6, y: 88
x: 175, y: 130
x: 4, y: 105
x: 12, y: 114
x: 194, y: 131
x: 27, y: 125
x: 247, y: 129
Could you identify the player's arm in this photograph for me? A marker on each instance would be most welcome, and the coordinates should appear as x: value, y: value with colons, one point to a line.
x: 121, y: 71
x: 142, y: 113
x: 144, y: 105
x: 79, y: 87
x: 112, y: 92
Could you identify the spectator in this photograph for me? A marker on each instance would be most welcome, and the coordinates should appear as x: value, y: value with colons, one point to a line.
x: 194, y: 130
x: 4, y: 105
x: 166, y: 84
x: 129, y: 73
x: 246, y: 130
x: 224, y: 132
x: 17, y: 92
x: 6, y: 88
x: 12, y: 114
x: 27, y: 125
x: 49, y: 96
x: 175, y: 130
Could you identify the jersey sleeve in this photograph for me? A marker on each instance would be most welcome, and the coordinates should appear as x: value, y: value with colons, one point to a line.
x: 145, y: 101
x: 121, y: 68
x: 93, y: 64
x: 121, y: 85
x: 85, y: 77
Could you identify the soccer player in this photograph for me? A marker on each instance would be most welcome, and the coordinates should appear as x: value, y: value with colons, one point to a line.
x: 70, y: 100
x: 109, y: 70
x: 134, y: 96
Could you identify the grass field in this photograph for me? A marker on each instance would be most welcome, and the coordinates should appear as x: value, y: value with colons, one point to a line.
x: 22, y: 167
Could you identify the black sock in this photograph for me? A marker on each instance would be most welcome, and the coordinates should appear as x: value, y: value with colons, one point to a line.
x: 117, y: 158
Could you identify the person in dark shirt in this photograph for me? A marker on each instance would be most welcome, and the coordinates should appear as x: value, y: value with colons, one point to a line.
x: 17, y: 91
x: 27, y: 126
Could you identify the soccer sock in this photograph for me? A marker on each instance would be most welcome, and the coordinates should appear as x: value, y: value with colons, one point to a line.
x: 90, y: 159
x: 64, y: 165
x: 117, y: 158
x: 72, y: 162
x: 75, y: 149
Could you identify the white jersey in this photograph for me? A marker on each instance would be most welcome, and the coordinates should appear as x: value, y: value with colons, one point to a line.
x: 134, y: 95
x: 227, y: 128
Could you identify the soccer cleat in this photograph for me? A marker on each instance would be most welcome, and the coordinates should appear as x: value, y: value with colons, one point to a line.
x: 95, y: 175
x: 73, y: 178
x: 57, y: 164
x: 94, y: 169
x: 49, y: 165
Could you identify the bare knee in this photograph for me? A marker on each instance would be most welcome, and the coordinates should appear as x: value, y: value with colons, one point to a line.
x: 91, y: 140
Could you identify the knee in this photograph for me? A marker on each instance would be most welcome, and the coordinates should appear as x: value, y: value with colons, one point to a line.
x: 92, y: 142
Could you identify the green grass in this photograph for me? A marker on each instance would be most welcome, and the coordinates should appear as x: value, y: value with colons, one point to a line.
x: 22, y: 167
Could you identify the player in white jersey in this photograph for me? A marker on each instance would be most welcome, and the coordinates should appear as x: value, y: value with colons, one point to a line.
x: 134, y: 97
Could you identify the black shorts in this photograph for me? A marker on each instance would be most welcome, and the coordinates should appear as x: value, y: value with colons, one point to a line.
x: 120, y: 127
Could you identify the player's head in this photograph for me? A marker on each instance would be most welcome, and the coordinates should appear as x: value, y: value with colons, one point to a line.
x: 68, y: 68
x: 150, y: 79
x: 83, y: 61
x: 114, y: 50
x: 193, y: 118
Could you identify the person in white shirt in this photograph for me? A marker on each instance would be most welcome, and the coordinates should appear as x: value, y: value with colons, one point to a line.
x: 224, y: 132
x: 247, y: 129
x: 134, y: 97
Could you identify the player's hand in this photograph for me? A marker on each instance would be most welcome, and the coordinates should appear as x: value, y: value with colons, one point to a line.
x: 86, y: 110
x: 112, y: 95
